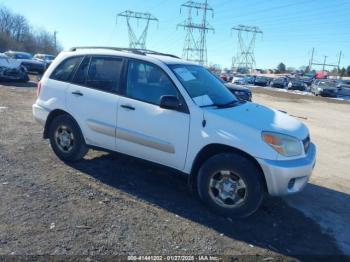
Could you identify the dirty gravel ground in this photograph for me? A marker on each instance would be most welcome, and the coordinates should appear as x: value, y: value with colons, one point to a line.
x: 109, y: 204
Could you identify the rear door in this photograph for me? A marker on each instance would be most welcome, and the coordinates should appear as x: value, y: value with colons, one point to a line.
x: 144, y: 129
x: 93, y: 100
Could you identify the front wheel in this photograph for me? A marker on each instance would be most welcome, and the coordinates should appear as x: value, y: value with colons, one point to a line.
x: 231, y: 185
x: 66, y: 139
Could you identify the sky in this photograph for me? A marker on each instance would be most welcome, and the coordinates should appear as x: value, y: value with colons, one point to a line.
x: 291, y: 28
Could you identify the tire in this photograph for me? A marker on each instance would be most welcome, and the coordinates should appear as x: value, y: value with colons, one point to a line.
x: 240, y: 167
x: 66, y: 139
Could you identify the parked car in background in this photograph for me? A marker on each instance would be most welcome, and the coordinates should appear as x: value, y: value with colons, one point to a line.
x: 45, y: 58
x: 296, y: 84
x: 27, y: 61
x: 12, y: 70
x: 262, y: 81
x: 238, y: 79
x: 326, y: 88
x: 281, y: 82
x: 251, y: 79
x: 343, y: 82
x: 242, y: 93
x: 344, y: 90
x: 307, y: 80
x: 225, y: 77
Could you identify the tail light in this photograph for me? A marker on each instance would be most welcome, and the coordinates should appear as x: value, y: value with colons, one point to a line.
x: 38, y: 89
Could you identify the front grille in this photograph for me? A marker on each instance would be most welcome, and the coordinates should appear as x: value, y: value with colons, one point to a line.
x: 306, y: 143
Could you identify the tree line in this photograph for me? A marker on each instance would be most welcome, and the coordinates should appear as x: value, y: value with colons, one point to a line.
x: 281, y: 68
x: 18, y: 35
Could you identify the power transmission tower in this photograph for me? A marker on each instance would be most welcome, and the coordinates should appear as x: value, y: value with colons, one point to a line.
x: 246, y: 42
x: 195, y: 48
x: 134, y: 41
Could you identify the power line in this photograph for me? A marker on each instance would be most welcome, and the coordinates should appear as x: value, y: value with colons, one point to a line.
x: 134, y: 41
x: 324, y: 64
x: 195, y: 49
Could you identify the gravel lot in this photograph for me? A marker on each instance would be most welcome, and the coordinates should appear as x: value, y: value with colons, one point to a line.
x: 111, y: 204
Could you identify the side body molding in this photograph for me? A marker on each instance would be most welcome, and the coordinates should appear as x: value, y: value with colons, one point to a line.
x: 145, y: 140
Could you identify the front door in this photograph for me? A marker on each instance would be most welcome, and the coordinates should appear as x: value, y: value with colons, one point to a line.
x: 144, y: 129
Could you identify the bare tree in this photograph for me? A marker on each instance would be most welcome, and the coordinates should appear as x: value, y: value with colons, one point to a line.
x: 17, y: 34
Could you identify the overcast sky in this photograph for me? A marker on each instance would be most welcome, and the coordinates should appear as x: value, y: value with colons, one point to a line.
x: 291, y: 27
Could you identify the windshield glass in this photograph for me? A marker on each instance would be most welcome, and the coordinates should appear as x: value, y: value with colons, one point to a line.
x: 23, y: 56
x: 203, y: 87
x: 328, y: 84
x: 261, y: 78
x: 49, y: 57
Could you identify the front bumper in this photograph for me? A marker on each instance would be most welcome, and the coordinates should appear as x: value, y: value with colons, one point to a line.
x: 288, y: 176
x: 31, y: 67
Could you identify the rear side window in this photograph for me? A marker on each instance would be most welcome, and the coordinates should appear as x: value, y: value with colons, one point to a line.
x: 103, y: 73
x: 81, y: 74
x: 64, y: 71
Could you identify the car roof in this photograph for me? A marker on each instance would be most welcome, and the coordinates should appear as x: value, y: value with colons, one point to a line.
x: 17, y: 52
x: 44, y: 54
x: 130, y: 53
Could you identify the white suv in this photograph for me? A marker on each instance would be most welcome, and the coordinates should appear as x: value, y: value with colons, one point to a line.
x: 175, y: 113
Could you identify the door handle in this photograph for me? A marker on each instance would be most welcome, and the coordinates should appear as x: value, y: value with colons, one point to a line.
x: 77, y: 93
x: 129, y: 107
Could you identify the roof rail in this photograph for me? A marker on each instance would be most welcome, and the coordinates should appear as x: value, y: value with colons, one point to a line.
x: 121, y: 49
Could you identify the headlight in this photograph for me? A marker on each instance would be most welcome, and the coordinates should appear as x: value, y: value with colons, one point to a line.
x: 285, y: 145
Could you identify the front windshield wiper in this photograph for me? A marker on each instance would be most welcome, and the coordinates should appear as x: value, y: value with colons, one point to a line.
x: 226, y: 105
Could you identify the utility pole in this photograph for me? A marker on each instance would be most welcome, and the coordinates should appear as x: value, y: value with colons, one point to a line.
x: 134, y: 41
x: 55, y: 40
x: 339, y: 60
x: 195, y: 48
x: 312, y: 59
x: 324, y: 63
x: 246, y: 41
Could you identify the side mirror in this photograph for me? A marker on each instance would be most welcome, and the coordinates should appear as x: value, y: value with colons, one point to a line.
x: 169, y: 102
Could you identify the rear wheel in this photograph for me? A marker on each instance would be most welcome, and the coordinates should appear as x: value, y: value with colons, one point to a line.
x: 66, y: 139
x: 231, y: 185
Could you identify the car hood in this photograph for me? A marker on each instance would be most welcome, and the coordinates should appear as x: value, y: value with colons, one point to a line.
x: 31, y: 61
x: 9, y: 63
x: 235, y: 87
x: 260, y: 118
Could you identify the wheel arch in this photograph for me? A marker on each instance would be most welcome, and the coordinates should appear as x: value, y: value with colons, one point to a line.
x: 213, y: 149
x: 53, y: 114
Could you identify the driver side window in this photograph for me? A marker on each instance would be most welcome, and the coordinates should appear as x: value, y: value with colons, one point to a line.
x: 148, y: 83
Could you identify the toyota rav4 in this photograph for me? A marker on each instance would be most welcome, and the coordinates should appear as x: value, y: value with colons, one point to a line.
x: 160, y: 108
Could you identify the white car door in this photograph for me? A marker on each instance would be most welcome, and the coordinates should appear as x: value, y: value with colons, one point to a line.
x: 146, y: 130
x: 93, y: 101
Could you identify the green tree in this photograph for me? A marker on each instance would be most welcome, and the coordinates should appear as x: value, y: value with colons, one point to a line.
x: 342, y: 72
x: 348, y: 71
x: 281, y: 68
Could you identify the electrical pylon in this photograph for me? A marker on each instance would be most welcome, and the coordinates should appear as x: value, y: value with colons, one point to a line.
x: 246, y: 42
x: 195, y: 47
x: 134, y: 41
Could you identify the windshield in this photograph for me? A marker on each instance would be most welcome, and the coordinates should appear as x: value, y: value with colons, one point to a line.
x: 23, y: 56
x: 202, y: 86
x: 328, y: 84
x: 49, y: 57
